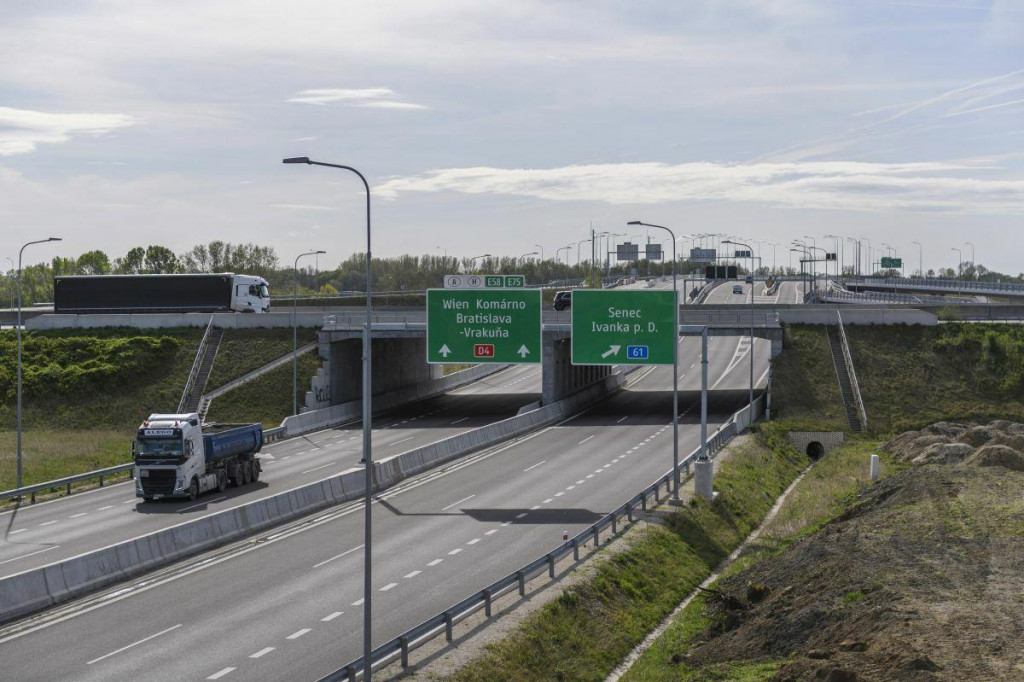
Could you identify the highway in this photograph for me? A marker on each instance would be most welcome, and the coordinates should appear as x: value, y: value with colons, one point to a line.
x: 287, y: 605
x: 46, y: 532
x: 789, y: 293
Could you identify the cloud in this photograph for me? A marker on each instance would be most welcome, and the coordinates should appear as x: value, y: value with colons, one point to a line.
x: 22, y: 129
x: 377, y: 98
x: 928, y: 186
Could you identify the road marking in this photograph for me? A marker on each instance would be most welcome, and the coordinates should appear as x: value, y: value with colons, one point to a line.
x: 48, y: 523
x: 455, y: 551
x: 125, y: 648
x: 560, y: 493
x: 584, y: 440
x: 548, y: 500
x: 327, y: 561
x: 329, y: 618
x: 623, y: 419
x: 388, y: 587
x: 521, y: 515
x: 403, y: 440
x: 262, y: 652
x: 358, y: 603
x: 534, y: 466
x: 129, y: 502
x: 491, y: 531
x: 20, y: 530
x: 570, y: 487
x: 579, y: 482
x: 109, y: 506
x: 75, y: 516
x: 220, y: 673
x: 413, y: 574
x: 590, y: 475
x: 473, y: 541
x: 458, y: 503
x: 201, y: 504
x: 319, y: 467
x: 459, y: 421
x: 25, y: 556
x: 299, y: 633
x: 435, y: 562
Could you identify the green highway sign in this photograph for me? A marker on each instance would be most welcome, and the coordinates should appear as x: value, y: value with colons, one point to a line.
x: 483, y: 325
x: 619, y: 327
x: 892, y: 262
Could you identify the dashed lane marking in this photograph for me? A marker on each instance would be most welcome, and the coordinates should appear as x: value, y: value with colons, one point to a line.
x: 262, y: 652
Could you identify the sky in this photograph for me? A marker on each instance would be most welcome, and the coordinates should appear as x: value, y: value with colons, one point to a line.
x: 487, y: 126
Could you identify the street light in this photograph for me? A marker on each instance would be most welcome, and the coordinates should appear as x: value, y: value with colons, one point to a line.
x: 675, y: 365
x: 541, y: 252
x: 532, y: 253
x: 476, y: 258
x: 960, y: 262
x: 40, y: 241
x: 367, y: 412
x: 920, y: 258
x: 837, y: 244
x: 445, y: 251
x: 974, y: 265
x: 752, y: 285
x: 295, y: 331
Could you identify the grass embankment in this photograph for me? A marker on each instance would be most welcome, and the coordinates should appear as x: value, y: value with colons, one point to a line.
x: 827, y: 490
x: 244, y: 350
x: 909, y: 376
x: 587, y: 631
x: 268, y: 397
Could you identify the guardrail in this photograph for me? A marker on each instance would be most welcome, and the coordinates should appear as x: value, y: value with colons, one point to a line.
x: 851, y: 371
x: 31, y: 490
x: 944, y: 284
x: 445, y: 621
x: 839, y: 295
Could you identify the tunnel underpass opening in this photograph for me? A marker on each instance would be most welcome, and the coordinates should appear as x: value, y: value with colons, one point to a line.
x: 815, y: 451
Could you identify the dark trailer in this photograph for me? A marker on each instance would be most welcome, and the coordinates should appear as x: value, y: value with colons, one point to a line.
x: 142, y: 293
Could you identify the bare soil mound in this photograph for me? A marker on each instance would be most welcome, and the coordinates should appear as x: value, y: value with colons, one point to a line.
x: 921, y: 579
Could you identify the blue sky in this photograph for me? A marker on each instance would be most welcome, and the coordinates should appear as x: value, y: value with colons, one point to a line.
x: 493, y: 126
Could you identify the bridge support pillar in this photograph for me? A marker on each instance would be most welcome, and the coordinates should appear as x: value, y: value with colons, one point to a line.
x: 397, y: 363
x: 561, y: 378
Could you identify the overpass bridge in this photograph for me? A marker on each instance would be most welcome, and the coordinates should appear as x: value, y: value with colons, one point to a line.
x: 935, y: 285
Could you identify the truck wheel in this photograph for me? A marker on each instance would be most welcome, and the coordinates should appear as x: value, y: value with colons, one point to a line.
x: 247, y: 473
x: 222, y: 481
x: 193, y: 490
x: 237, y: 477
x: 255, y: 472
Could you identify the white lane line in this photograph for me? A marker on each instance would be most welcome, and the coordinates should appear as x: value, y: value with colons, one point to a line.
x: 327, y: 561
x: 125, y: 648
x: 435, y: 562
x: 570, y: 487
x: 623, y: 419
x: 522, y: 514
x: 109, y: 506
x: 201, y: 504
x: 20, y: 530
x: 328, y: 618
x: 25, y: 556
x: 388, y: 587
x: 358, y: 603
x: 534, y: 466
x: 590, y: 475
x: 491, y: 531
x: 413, y: 574
x: 579, y: 482
x: 221, y: 673
x: 298, y: 633
x: 550, y: 499
x: 75, y: 516
x: 48, y: 523
x: 507, y: 523
x: 262, y: 652
x: 319, y: 467
x: 403, y: 440
x: 559, y: 494
x: 453, y: 504
x: 129, y: 502
x: 458, y: 421
x: 456, y: 550
x: 584, y: 440
x: 473, y: 541
x: 284, y: 458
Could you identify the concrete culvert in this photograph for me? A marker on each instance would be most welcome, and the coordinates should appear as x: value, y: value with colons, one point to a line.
x: 815, y: 450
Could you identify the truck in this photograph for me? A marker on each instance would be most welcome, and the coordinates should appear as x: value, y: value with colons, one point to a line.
x: 191, y: 293
x: 176, y: 456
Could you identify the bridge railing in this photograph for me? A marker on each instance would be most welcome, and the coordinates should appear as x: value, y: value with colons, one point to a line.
x: 66, y: 482
x: 941, y: 284
x: 399, y: 647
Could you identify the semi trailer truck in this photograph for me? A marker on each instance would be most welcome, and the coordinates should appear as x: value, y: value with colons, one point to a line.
x: 176, y: 456
x: 195, y: 293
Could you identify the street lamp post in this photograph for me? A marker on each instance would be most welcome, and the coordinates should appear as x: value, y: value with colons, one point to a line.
x: 295, y: 331
x: 39, y: 241
x: 920, y: 258
x: 960, y: 262
x: 476, y: 258
x: 521, y: 258
x: 752, y: 285
x: 974, y: 264
x: 367, y: 413
x: 675, y: 363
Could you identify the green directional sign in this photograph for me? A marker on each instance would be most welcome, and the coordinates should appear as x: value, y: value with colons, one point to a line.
x: 483, y: 325
x: 622, y: 327
x: 892, y: 262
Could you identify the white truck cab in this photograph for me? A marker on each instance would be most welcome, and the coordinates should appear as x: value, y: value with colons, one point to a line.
x: 250, y: 294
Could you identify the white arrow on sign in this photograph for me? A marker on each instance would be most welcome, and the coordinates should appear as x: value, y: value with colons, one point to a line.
x: 445, y: 350
x: 612, y: 350
x: 523, y: 351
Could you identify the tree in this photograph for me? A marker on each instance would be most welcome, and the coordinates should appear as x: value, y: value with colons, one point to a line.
x: 93, y: 263
x: 64, y: 266
x: 160, y: 260
x: 132, y: 263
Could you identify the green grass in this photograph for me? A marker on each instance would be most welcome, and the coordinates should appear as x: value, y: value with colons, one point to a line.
x: 827, y: 490
x: 244, y: 350
x: 589, y: 629
x: 48, y: 455
x: 267, y: 398
x: 805, y: 391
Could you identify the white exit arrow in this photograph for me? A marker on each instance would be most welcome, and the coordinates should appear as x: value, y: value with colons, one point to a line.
x: 523, y: 351
x: 612, y: 350
x: 445, y: 350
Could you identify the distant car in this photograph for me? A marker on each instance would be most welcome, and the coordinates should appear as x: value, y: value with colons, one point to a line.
x: 736, y: 289
x: 563, y: 300
x: 749, y: 279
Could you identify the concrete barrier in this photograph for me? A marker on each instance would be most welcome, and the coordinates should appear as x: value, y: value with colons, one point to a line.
x: 36, y: 589
x: 822, y: 315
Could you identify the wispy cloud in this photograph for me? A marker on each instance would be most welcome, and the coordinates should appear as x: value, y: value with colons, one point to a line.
x: 376, y: 98
x: 858, y: 186
x: 304, y: 207
x: 21, y: 130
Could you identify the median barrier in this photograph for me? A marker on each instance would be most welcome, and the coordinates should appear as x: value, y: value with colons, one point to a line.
x: 39, y: 588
